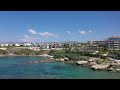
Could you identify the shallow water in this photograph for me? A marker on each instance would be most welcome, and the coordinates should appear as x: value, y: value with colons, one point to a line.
x: 21, y: 68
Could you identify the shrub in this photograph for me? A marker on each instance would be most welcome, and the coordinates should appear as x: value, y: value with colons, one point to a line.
x: 41, y: 52
x: 25, y: 52
x: 3, y: 52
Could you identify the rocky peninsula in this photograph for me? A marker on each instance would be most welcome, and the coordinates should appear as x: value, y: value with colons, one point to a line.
x: 94, y: 63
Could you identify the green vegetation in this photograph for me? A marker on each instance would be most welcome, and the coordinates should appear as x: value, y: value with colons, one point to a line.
x: 57, y: 53
x: 41, y: 52
x: 25, y: 52
x: 71, y: 51
x: 72, y: 55
x: 31, y: 52
x: 75, y: 54
x: 3, y: 52
x: 114, y: 54
x: 22, y: 51
x: 13, y: 46
x: 101, y: 61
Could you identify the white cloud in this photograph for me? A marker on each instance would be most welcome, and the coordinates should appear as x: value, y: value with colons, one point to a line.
x: 90, y: 31
x: 47, y: 34
x: 68, y: 32
x: 32, y: 31
x: 82, y: 32
x: 27, y: 39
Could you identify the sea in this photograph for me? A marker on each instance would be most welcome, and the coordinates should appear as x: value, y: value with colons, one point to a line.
x: 30, y: 67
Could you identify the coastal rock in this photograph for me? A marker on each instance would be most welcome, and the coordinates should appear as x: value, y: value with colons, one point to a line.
x: 61, y: 60
x: 111, y: 69
x: 92, y: 59
x: 66, y: 59
x: 36, y: 62
x: 51, y: 58
x: 100, y: 66
x: 117, y: 70
x: 82, y: 62
x: 115, y: 65
x: 92, y: 63
x: 45, y: 54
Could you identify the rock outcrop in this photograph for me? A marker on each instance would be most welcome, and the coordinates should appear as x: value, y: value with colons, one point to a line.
x: 92, y: 60
x: 66, y: 59
x: 100, y: 66
x: 60, y: 60
x: 115, y: 65
x: 117, y: 70
x: 111, y: 69
x: 92, y: 63
x: 82, y: 62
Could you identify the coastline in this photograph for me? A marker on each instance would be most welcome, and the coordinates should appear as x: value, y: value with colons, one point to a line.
x: 92, y: 63
x: 44, y: 55
x: 110, y: 65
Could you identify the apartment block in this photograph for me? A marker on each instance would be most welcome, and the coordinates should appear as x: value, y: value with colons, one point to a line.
x: 114, y: 42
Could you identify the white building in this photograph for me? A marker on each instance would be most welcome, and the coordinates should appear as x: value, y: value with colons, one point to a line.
x: 17, y: 44
x: 47, y: 46
x: 27, y: 44
x: 4, y: 44
x: 114, y: 42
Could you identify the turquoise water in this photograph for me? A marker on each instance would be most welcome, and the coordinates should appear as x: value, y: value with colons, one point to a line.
x: 21, y: 68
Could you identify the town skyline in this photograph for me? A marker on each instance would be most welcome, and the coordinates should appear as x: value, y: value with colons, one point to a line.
x: 58, y: 26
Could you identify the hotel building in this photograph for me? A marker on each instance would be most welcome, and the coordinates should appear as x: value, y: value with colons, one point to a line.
x: 114, y: 43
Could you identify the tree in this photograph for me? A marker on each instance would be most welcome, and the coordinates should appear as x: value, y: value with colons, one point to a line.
x: 13, y: 45
x: 21, y: 45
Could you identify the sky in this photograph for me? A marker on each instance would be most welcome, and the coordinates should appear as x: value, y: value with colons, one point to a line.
x: 57, y: 26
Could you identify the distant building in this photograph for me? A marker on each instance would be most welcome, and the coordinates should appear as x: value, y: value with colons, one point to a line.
x: 114, y: 42
x: 4, y: 44
x: 47, y: 46
x: 27, y: 44
x: 17, y: 44
x: 104, y: 42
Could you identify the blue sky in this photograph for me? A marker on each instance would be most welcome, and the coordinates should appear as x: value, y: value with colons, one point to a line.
x: 47, y: 26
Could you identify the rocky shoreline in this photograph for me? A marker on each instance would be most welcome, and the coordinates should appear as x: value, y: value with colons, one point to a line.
x: 44, y: 55
x: 94, y: 63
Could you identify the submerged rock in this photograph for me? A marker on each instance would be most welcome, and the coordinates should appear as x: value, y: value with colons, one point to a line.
x: 51, y: 58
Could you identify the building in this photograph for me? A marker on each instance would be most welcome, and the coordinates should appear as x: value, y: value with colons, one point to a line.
x: 4, y: 44
x: 104, y: 42
x: 16, y: 44
x: 114, y: 42
x: 27, y: 44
